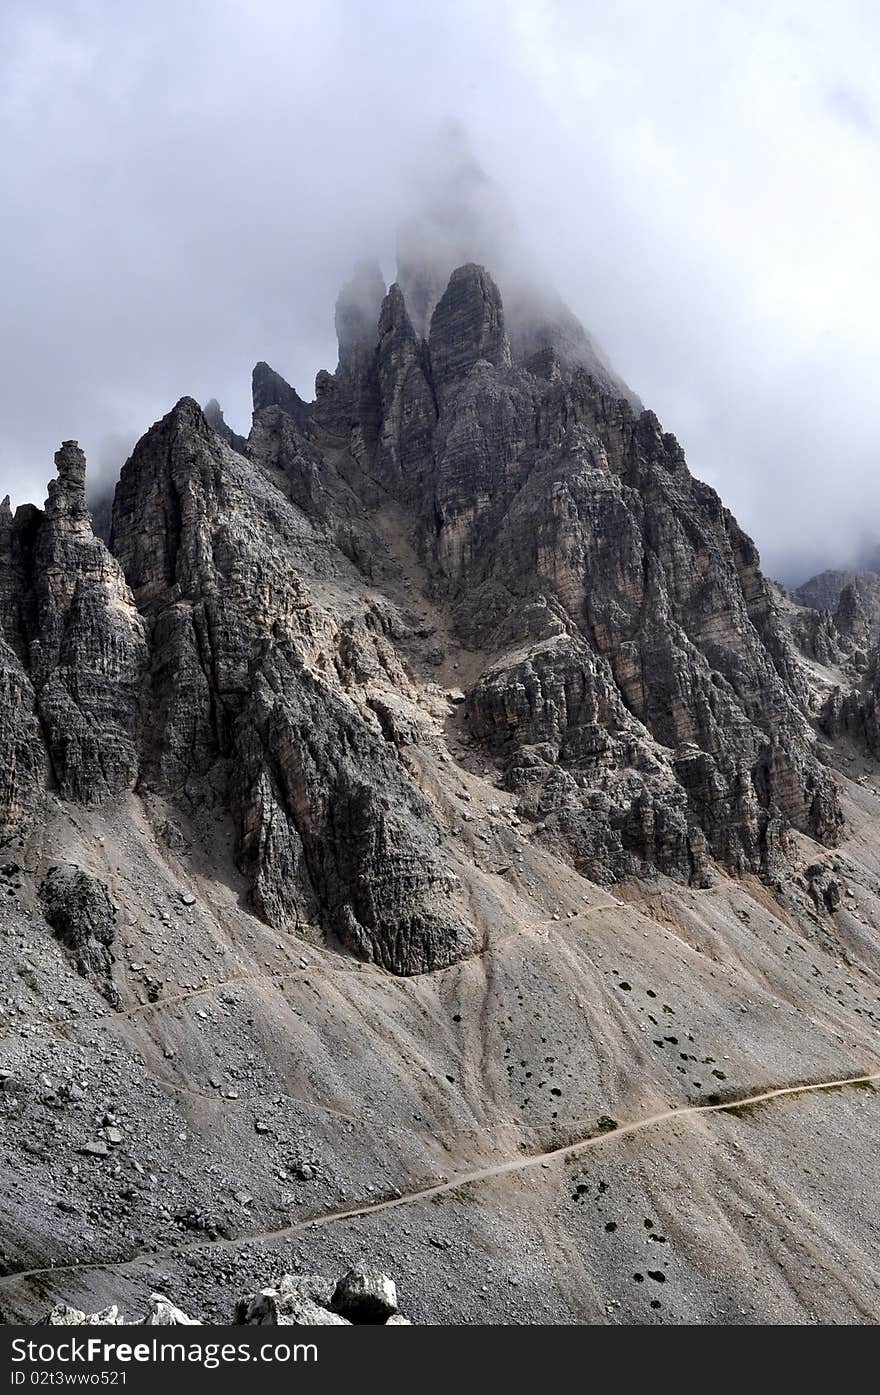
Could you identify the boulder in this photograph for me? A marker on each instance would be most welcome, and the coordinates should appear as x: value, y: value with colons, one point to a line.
x: 62, y: 1315
x: 163, y: 1313
x: 365, y: 1296
x: 294, y: 1307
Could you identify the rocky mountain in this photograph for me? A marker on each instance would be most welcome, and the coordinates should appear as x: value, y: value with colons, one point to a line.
x: 637, y: 695
x: 383, y: 691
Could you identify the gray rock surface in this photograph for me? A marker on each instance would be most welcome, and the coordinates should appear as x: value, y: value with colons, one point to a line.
x: 822, y: 592
x: 360, y: 1296
x: 72, y: 708
x: 62, y: 1315
x: 163, y: 1313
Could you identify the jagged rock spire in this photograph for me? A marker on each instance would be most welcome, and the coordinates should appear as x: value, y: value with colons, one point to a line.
x: 467, y: 325
x: 214, y: 417
x: 67, y: 493
x: 271, y: 390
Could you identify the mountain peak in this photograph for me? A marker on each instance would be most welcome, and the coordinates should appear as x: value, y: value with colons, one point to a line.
x: 213, y: 413
x: 467, y: 325
x: 269, y: 389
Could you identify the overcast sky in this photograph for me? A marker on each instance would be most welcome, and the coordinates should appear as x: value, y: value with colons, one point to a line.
x: 186, y: 185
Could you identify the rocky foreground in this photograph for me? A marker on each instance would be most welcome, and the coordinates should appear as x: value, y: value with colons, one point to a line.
x: 414, y: 785
x: 360, y: 1296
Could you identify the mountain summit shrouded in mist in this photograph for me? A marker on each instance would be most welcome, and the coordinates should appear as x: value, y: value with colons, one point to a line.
x: 699, y: 189
x: 432, y: 844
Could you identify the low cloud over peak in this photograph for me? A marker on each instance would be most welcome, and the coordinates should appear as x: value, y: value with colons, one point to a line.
x: 698, y: 185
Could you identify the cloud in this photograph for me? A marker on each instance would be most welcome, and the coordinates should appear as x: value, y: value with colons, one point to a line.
x: 186, y: 187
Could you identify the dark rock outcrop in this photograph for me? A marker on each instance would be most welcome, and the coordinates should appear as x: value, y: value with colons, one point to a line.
x: 365, y: 1295
x: 822, y: 592
x: 270, y: 390
x: 79, y: 910
x: 547, y: 339
x: 851, y: 624
x: 854, y: 711
x: 545, y: 508
x: 87, y: 652
x: 815, y: 635
x: 23, y: 759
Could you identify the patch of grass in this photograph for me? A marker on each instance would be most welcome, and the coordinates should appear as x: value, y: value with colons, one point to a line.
x: 741, y: 1111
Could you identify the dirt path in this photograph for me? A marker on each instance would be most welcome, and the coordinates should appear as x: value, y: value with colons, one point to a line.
x: 483, y: 1174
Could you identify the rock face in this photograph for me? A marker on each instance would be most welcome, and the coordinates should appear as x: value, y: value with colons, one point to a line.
x: 251, y: 692
x: 823, y: 592
x: 272, y: 1308
x: 467, y: 328
x: 838, y: 621
x: 270, y: 390
x: 252, y: 644
x: 163, y: 1313
x: 73, y: 655
x: 838, y: 624
x: 854, y: 711
x: 362, y: 1295
x: 547, y: 338
x: 643, y: 697
x: 23, y: 757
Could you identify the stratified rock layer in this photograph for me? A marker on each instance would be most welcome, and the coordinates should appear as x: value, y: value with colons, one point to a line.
x: 73, y: 656
x: 248, y: 695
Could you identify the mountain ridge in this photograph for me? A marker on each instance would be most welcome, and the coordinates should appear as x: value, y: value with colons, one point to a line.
x: 643, y: 703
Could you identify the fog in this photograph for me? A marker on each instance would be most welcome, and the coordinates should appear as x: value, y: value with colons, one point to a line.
x: 187, y: 186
